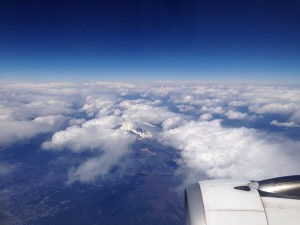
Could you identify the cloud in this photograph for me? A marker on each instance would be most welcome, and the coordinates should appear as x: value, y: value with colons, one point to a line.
x: 73, y: 121
x: 206, y: 116
x: 20, y: 102
x: 91, y: 169
x: 236, y: 103
x: 285, y: 124
x: 148, y: 111
x: 233, y: 115
x: 89, y: 118
x: 296, y: 117
x: 99, y: 106
x: 217, y: 152
x: 273, y: 108
x: 102, y: 136
x: 12, y: 131
x: 92, y: 134
x: 172, y: 122
x: 28, y: 110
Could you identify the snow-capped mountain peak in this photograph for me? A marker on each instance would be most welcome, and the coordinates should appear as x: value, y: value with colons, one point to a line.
x: 132, y: 127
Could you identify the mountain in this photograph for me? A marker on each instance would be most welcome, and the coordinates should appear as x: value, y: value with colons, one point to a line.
x: 136, y: 128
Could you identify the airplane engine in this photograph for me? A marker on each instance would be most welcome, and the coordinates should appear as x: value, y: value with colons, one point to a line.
x: 243, y: 202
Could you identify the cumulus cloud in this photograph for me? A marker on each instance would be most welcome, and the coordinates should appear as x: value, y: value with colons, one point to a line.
x: 103, y: 136
x: 91, y: 135
x: 234, y: 115
x: 213, y: 110
x: 12, y: 131
x: 206, y: 116
x: 172, y: 122
x: 285, y: 124
x: 148, y: 111
x: 27, y: 110
x: 218, y: 152
x: 237, y: 103
x: 94, y: 167
x: 99, y: 106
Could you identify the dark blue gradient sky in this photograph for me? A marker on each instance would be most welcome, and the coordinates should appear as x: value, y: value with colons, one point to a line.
x: 150, y: 40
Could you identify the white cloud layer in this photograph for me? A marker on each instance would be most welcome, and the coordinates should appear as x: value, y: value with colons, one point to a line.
x: 220, y: 152
x: 105, y: 119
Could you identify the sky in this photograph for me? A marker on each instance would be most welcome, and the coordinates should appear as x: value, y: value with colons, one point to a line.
x: 130, y: 40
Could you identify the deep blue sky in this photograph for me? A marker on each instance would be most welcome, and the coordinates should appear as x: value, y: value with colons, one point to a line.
x: 149, y: 40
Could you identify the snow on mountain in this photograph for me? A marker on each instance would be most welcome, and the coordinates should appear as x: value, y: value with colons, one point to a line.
x: 136, y: 129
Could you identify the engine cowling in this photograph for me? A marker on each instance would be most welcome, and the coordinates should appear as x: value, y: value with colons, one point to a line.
x: 243, y: 202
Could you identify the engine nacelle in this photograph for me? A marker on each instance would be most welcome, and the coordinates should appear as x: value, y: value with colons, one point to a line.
x: 243, y: 202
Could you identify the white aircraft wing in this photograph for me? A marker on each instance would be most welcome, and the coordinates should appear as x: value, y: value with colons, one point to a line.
x: 242, y: 202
